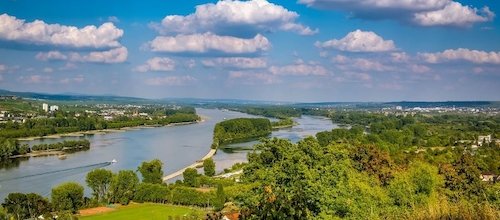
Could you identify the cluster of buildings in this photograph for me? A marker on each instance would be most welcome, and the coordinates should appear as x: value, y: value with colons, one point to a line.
x: 400, y: 110
x: 48, y: 108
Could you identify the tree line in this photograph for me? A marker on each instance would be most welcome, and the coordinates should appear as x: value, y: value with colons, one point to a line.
x: 240, y: 129
x: 122, y: 187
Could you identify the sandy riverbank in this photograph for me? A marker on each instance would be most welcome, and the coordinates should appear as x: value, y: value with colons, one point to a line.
x: 105, y: 131
x: 196, y: 164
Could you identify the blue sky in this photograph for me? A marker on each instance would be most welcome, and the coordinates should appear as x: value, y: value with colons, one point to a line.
x: 305, y: 50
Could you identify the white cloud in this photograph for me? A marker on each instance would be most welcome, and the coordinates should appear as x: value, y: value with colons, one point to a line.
x: 160, y: 64
x: 48, y: 70
x: 113, y: 19
x: 116, y: 55
x: 417, y: 68
x: 236, y: 62
x: 474, y: 56
x: 3, y: 68
x: 228, y: 17
x: 363, y: 64
x: 359, y: 41
x: 400, y: 57
x: 40, y: 33
x: 51, y: 55
x: 362, y: 5
x: 299, y: 69
x: 208, y: 42
x: 454, y: 14
x: 76, y: 79
x: 35, y: 79
x: 419, y: 12
x: 253, y: 78
x: 170, y: 81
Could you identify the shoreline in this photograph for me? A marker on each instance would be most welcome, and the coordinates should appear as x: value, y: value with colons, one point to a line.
x: 106, y: 131
x: 196, y: 164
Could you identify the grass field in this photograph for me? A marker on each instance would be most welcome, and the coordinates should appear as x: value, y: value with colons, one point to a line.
x: 149, y: 211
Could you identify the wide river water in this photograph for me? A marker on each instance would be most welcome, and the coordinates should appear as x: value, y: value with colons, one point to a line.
x: 176, y: 146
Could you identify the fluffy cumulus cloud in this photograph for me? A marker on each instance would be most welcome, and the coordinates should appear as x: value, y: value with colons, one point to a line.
x: 454, y: 14
x: 116, y: 55
x: 359, y: 41
x: 236, y: 62
x: 236, y: 18
x: 170, y: 81
x: 158, y: 64
x: 419, y: 12
x: 209, y: 42
x: 40, y: 33
x: 462, y: 54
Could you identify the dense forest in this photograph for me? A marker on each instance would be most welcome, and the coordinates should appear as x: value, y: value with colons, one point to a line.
x: 240, y: 129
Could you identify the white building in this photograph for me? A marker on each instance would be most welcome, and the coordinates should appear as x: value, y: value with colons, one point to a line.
x: 45, y: 107
x: 484, y: 140
x: 54, y: 108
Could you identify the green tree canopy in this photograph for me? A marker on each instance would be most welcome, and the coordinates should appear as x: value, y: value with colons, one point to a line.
x: 209, y: 167
x: 99, y: 180
x: 151, y: 171
x: 67, y: 196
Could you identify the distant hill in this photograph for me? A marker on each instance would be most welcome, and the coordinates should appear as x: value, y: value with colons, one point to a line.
x: 71, y: 97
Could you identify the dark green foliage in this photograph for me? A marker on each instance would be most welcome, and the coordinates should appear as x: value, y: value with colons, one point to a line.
x: 286, y: 122
x: 67, y: 197
x: 280, y: 112
x: 9, y: 147
x: 240, y: 129
x: 123, y: 186
x: 220, y: 198
x: 463, y: 177
x: 190, y: 176
x: 209, y: 167
x: 15, y: 204
x: 99, y: 181
x: 182, y: 195
x: 151, y: 171
x: 69, y: 145
x: 148, y: 192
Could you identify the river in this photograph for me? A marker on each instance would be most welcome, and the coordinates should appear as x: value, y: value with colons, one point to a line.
x: 176, y: 146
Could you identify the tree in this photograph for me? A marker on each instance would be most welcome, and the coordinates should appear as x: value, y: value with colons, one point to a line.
x: 220, y: 198
x: 67, y: 196
x: 463, y: 176
x: 209, y: 167
x: 190, y: 175
x: 123, y: 186
x: 99, y: 180
x: 15, y: 204
x: 151, y: 171
x: 37, y: 205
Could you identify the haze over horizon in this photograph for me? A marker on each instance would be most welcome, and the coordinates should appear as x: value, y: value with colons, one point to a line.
x: 297, y: 51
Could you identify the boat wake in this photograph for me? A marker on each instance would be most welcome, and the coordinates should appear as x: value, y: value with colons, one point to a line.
x: 77, y: 169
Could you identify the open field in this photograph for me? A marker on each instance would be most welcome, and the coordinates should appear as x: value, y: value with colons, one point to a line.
x: 148, y: 211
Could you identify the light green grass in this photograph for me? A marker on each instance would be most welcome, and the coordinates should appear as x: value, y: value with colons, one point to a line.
x: 149, y: 211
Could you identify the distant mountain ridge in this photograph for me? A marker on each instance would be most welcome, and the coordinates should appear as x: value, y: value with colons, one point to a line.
x: 201, y: 101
